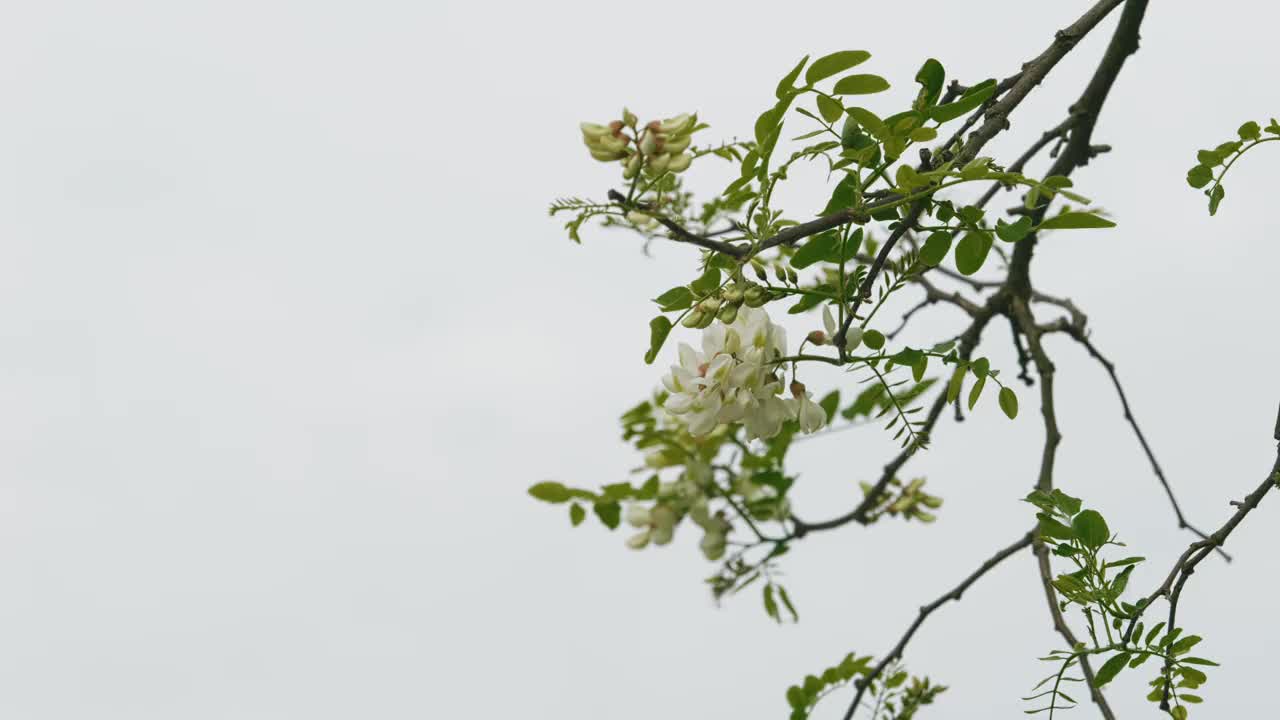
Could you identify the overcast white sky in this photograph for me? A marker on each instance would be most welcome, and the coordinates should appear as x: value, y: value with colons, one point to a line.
x: 285, y: 333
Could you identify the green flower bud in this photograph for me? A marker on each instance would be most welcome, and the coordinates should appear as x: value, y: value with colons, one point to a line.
x: 780, y: 273
x: 710, y: 305
x: 793, y: 276
x: 679, y: 163
x: 755, y: 296
x: 606, y: 155
x: 632, y: 166
x: 677, y: 145
x: 592, y: 131
x: 612, y: 143
x: 728, y: 313
x: 649, y: 143
x: 677, y: 125
x: 629, y: 118
x: 693, y: 319
x: 733, y: 295
x: 658, y: 163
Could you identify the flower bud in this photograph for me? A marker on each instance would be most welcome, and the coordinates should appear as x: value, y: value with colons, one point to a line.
x: 817, y: 337
x: 852, y: 338
x: 693, y: 319
x: 677, y: 125
x: 797, y: 389
x: 629, y: 118
x: 679, y: 163
x: 760, y: 269
x: 632, y: 166
x: 755, y: 296
x: 780, y: 273
x: 615, y: 127
x: 658, y: 163
x: 709, y: 305
x: 793, y: 276
x: 611, y: 143
x: 732, y: 295
x: 677, y: 145
x: 649, y: 143
x: 606, y: 155
x: 592, y: 131
x: 728, y: 313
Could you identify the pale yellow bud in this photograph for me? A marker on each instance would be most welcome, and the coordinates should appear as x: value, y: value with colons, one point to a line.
x: 679, y: 163
x: 632, y: 166
x: 677, y: 144
x: 649, y: 143
x: 612, y: 143
x: 659, y: 163
x: 592, y: 131
x: 606, y: 155
x: 679, y: 124
x: 629, y: 118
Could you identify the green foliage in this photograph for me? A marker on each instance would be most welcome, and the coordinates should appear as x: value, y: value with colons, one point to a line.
x: 1206, y: 173
x: 1116, y: 632
x: 896, y: 698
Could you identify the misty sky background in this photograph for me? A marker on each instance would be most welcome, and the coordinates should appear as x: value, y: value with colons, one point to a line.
x: 285, y: 333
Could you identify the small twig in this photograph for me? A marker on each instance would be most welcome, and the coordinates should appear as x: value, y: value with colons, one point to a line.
x: 925, y: 611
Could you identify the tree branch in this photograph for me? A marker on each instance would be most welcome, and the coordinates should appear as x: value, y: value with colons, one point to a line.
x: 1142, y: 440
x: 927, y: 610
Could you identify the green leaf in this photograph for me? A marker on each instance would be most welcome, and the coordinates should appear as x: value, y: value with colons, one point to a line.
x: 1065, y: 502
x: 1185, y: 644
x: 771, y: 605
x: 936, y: 247
x: 706, y: 283
x: 1015, y: 231
x: 1091, y: 528
x: 873, y: 339
x: 677, y: 298
x: 1250, y: 131
x: 786, y: 85
x: 1075, y: 221
x: 786, y: 600
x: 837, y: 62
x: 659, y: 328
x: 968, y: 102
x: 842, y: 196
x: 829, y: 108
x: 976, y: 391
x: 860, y: 85
x: 972, y: 250
x: 1110, y: 669
x: 956, y: 384
x: 797, y: 698
x: 1054, y: 529
x: 1199, y: 176
x: 576, y: 514
x: 931, y: 78
x: 869, y: 121
x: 1197, y: 661
x: 610, y: 513
x: 766, y: 125
x: 552, y: 492
x: 1009, y: 402
x: 1215, y: 198
x: 819, y: 248
x: 830, y: 402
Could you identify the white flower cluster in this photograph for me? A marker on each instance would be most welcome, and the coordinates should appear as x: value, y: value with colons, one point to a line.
x: 684, y: 497
x: 736, y: 379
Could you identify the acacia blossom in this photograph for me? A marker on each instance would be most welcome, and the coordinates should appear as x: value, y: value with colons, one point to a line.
x: 735, y: 378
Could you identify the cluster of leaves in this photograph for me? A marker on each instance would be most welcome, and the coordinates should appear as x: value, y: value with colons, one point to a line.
x: 896, y: 698
x: 1205, y: 174
x: 1115, y: 627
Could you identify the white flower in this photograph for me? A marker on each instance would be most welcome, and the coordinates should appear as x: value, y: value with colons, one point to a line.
x: 852, y: 338
x: 809, y: 413
x: 657, y: 524
x: 716, y: 532
x: 732, y: 379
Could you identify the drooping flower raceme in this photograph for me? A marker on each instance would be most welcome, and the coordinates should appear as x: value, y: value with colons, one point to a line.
x: 735, y: 378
